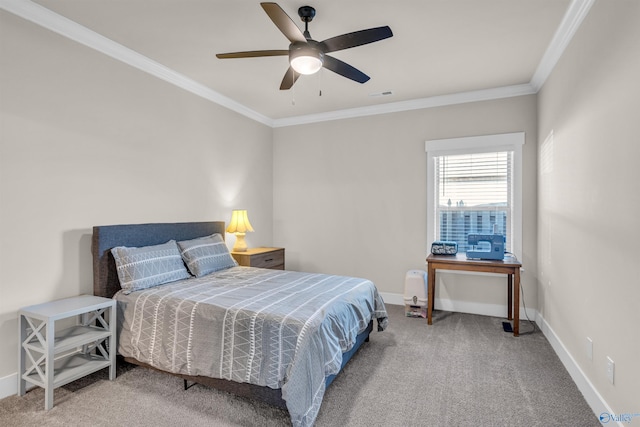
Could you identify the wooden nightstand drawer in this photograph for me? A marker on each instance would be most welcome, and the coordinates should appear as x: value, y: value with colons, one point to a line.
x: 272, y: 259
x: 261, y: 257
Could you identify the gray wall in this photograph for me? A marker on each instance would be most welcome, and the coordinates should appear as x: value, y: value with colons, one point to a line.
x: 87, y: 140
x: 589, y: 199
x: 350, y: 195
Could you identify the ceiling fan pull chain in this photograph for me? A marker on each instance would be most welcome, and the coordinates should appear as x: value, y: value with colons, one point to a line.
x: 320, y: 82
x: 293, y: 90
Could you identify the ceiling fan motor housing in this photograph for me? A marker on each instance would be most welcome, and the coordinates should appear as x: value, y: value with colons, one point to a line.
x: 306, y: 13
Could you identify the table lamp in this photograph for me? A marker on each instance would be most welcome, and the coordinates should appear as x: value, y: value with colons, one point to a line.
x: 239, y: 226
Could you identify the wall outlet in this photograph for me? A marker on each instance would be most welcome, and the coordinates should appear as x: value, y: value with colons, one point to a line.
x: 610, y: 369
x: 589, y: 348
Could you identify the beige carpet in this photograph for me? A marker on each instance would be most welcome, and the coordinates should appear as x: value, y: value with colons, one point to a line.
x: 462, y: 371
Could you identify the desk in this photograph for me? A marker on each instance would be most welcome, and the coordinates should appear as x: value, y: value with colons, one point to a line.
x: 509, y: 266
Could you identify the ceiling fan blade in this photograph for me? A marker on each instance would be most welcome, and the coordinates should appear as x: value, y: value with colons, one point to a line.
x: 289, y: 79
x: 357, y: 38
x: 344, y: 69
x: 283, y: 22
x: 252, y: 54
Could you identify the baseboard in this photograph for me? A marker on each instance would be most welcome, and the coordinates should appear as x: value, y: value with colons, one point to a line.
x: 494, y: 310
x: 8, y: 385
x: 594, y: 399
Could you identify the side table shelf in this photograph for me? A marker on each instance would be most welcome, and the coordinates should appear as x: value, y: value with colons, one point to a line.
x: 50, y: 358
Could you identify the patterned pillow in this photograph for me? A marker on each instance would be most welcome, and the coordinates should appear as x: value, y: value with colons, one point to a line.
x: 205, y: 255
x: 148, y: 266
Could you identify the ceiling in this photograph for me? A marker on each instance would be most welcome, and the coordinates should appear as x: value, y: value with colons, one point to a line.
x: 440, y: 50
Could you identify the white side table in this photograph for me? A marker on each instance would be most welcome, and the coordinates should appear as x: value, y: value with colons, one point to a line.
x: 50, y: 358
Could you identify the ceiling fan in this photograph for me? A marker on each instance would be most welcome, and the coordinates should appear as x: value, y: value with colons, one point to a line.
x: 307, y: 56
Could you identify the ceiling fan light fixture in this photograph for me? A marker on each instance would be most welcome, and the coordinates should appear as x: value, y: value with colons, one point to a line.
x: 305, y: 58
x: 306, y: 64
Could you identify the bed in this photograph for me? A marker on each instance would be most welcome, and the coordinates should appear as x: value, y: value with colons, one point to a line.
x: 276, y: 336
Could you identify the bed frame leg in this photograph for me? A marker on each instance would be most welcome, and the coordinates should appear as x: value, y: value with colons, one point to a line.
x: 187, y: 386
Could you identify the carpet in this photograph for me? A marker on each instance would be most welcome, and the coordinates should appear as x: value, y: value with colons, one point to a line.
x: 464, y: 370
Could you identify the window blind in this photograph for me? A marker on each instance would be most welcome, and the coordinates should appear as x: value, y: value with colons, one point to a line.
x: 473, y: 194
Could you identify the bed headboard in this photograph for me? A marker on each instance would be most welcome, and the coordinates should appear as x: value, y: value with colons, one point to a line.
x: 105, y: 237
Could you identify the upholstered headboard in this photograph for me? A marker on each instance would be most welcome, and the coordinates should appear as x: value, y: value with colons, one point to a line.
x: 105, y: 237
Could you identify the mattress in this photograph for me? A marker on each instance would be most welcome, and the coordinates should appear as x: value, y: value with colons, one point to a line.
x: 274, y: 328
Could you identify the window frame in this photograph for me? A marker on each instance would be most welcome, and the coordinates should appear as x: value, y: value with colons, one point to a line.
x: 478, y: 144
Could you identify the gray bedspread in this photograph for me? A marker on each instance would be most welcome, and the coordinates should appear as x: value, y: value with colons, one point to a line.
x: 280, y: 329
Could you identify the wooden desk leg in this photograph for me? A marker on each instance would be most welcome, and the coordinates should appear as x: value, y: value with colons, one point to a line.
x: 431, y: 284
x: 509, y: 296
x: 516, y: 302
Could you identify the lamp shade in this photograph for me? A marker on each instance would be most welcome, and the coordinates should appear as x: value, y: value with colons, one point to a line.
x: 239, y: 222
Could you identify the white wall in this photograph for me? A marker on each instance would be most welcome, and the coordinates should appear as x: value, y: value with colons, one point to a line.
x: 589, y: 200
x: 350, y: 196
x: 86, y: 140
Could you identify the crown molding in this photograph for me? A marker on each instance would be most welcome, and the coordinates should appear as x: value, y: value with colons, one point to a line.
x: 573, y: 17
x: 50, y: 20
x: 72, y: 30
x: 415, y: 104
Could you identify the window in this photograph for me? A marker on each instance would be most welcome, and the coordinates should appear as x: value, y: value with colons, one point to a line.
x: 474, y: 186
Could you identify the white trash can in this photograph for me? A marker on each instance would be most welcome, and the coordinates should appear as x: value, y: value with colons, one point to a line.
x: 415, y: 293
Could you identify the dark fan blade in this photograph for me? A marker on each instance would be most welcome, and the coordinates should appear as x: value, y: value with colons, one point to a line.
x: 252, y: 54
x: 357, y: 38
x: 344, y: 69
x: 283, y: 22
x: 289, y: 79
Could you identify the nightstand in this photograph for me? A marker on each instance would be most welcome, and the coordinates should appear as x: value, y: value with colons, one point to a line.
x: 272, y: 258
x: 49, y: 358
